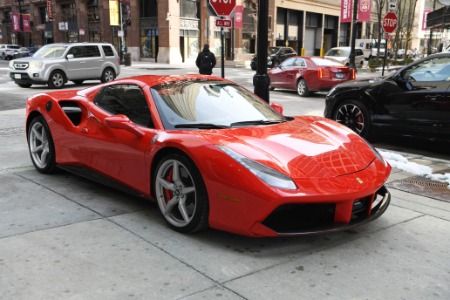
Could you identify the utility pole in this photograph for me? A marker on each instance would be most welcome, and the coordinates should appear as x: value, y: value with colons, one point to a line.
x: 261, y: 80
x: 353, y: 39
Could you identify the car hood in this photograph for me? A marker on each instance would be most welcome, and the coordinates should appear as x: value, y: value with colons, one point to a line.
x: 304, y: 147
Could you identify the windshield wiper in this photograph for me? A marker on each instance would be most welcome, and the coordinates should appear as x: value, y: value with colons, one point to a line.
x: 256, y: 122
x: 201, y: 126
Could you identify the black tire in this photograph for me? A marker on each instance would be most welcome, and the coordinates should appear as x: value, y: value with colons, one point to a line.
x: 24, y: 85
x: 56, y: 80
x: 78, y: 81
x: 182, y: 201
x: 302, y: 88
x: 41, y: 147
x: 108, y: 75
x: 355, y: 115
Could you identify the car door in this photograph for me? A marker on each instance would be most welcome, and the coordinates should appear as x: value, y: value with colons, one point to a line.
x: 76, y: 65
x: 293, y: 66
x: 417, y: 99
x: 119, y: 153
x: 278, y: 75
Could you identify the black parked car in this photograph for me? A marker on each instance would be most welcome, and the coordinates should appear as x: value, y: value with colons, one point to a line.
x: 413, y: 102
x: 275, y: 56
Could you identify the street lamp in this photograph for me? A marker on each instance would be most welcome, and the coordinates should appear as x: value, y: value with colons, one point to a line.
x: 261, y: 80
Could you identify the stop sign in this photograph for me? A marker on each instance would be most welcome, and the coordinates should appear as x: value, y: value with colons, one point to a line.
x: 390, y: 22
x: 223, y: 7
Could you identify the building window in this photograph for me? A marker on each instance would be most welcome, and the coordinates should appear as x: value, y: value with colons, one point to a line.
x: 190, y: 9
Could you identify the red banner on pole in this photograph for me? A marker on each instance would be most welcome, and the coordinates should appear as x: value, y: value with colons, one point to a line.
x: 346, y: 11
x: 15, y: 21
x: 26, y: 22
x: 364, y: 8
x: 49, y: 9
x: 238, y: 16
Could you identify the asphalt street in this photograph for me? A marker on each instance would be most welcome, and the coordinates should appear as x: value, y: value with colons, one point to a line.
x: 63, y: 237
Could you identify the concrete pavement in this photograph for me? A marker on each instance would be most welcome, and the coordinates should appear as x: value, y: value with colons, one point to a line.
x: 62, y: 237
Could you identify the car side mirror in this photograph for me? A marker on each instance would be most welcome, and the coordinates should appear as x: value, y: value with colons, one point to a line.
x: 122, y: 122
x: 277, y: 107
x: 69, y: 56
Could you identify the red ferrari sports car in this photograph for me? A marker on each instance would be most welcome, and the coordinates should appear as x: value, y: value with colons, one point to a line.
x: 211, y: 153
x: 309, y: 74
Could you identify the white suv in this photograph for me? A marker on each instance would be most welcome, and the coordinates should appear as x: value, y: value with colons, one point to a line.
x: 8, y: 51
x: 55, y: 64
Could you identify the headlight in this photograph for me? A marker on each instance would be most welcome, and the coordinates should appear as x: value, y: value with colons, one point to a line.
x: 377, y: 154
x: 36, y: 64
x: 266, y: 174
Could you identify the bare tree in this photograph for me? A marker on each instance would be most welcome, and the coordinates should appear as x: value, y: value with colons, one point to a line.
x: 380, y: 5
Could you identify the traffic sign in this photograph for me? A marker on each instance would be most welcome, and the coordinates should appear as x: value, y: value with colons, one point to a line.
x: 390, y: 22
x: 223, y: 23
x: 223, y: 8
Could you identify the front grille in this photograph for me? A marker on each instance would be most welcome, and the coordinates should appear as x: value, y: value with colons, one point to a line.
x: 20, y: 65
x: 293, y: 218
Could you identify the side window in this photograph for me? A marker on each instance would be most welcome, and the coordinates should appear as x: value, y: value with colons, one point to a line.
x: 437, y: 69
x: 108, y: 50
x: 300, y: 62
x: 77, y: 51
x: 288, y: 62
x: 126, y: 99
x: 91, y: 51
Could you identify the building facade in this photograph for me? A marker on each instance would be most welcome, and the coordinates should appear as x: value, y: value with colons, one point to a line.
x: 173, y: 31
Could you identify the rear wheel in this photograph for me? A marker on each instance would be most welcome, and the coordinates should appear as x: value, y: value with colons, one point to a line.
x: 40, y: 144
x: 355, y: 115
x: 181, y: 194
x: 56, y: 80
x: 108, y: 75
x: 302, y: 88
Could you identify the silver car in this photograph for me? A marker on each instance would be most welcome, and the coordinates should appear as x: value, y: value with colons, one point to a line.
x: 56, y: 64
x: 342, y: 55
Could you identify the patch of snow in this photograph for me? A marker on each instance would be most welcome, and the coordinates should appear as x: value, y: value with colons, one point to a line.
x: 402, y: 163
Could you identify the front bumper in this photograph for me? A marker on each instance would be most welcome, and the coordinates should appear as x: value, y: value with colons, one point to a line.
x: 27, y: 77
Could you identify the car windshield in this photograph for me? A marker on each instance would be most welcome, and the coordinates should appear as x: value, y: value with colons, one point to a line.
x: 338, y: 52
x: 49, y: 51
x: 325, y: 62
x: 209, y: 104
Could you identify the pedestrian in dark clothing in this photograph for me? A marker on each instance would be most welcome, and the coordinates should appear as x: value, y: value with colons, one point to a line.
x: 205, y: 61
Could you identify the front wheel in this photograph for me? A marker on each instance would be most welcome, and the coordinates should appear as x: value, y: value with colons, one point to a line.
x: 355, y: 115
x: 302, y: 88
x: 56, y: 80
x: 40, y: 144
x: 181, y: 194
x: 108, y: 75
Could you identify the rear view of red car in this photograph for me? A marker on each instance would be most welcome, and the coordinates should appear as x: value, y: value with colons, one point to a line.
x: 309, y: 74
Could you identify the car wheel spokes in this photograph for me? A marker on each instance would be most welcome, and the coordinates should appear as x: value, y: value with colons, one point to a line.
x: 351, y: 116
x: 175, y: 192
x: 39, y: 145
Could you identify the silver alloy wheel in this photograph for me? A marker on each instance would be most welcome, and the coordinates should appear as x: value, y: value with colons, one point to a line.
x: 351, y: 116
x: 108, y: 75
x: 176, y: 193
x: 57, y: 80
x: 302, y: 88
x: 39, y: 145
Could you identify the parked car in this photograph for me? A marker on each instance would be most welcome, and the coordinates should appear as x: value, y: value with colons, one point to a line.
x: 275, y: 56
x: 342, y: 55
x: 8, y: 51
x: 309, y: 74
x: 22, y: 52
x: 413, y: 102
x: 56, y: 64
x: 211, y: 153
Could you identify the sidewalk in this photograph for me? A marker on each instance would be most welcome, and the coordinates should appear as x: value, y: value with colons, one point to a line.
x: 63, y: 237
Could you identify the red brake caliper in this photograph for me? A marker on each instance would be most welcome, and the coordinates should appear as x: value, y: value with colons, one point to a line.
x: 169, y: 178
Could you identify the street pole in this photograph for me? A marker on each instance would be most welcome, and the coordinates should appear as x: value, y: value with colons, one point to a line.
x: 353, y: 39
x: 431, y: 31
x: 261, y: 80
x: 122, y: 37
x: 222, y: 51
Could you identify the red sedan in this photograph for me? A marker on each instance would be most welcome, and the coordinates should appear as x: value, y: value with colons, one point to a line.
x: 309, y: 74
x: 211, y: 153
